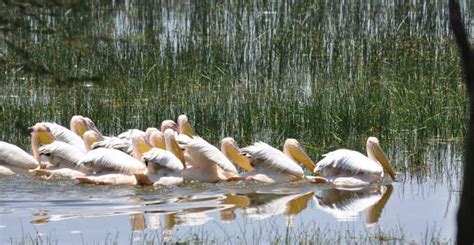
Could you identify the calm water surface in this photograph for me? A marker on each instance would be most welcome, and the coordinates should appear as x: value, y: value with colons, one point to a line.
x: 60, y: 210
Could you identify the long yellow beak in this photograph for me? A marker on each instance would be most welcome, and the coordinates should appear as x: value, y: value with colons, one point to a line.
x: 186, y: 129
x: 383, y: 160
x: 45, y: 138
x: 299, y: 155
x: 235, y: 157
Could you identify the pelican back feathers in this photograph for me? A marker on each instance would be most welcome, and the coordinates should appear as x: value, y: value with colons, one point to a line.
x: 15, y: 156
x: 163, y: 159
x: 201, y: 148
x: 116, y: 143
x: 347, y: 160
x: 62, y: 153
x: 262, y: 155
x: 104, y: 159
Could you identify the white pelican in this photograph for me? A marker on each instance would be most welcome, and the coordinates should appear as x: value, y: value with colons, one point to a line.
x: 350, y: 169
x: 272, y: 165
x: 59, y: 154
x: 61, y: 133
x: 346, y: 205
x: 163, y: 166
x: 13, y: 159
x: 204, y: 162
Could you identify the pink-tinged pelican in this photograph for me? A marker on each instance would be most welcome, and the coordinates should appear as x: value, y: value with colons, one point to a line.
x: 204, y: 162
x: 274, y: 166
x: 350, y: 169
x: 14, y: 160
x: 61, y: 133
x: 164, y: 168
x: 59, y: 153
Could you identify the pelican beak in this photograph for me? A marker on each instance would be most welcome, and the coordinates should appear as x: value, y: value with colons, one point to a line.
x: 187, y: 129
x: 235, y: 156
x: 293, y: 148
x: 177, y: 151
x: 45, y: 137
x: 143, y: 147
x: 80, y: 128
x: 383, y: 160
x: 172, y: 145
x: 184, y: 126
x: 140, y: 146
x: 156, y: 139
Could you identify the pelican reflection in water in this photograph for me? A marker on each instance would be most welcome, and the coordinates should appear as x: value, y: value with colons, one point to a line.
x: 346, y: 205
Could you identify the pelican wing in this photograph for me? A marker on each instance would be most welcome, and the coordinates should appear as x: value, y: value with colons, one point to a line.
x: 115, y: 143
x: 163, y: 158
x: 347, y: 160
x: 62, y: 153
x: 198, y: 148
x: 63, y: 134
x: 15, y: 156
x: 264, y: 156
x: 104, y: 159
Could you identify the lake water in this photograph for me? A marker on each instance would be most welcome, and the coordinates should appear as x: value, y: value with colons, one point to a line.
x: 416, y: 208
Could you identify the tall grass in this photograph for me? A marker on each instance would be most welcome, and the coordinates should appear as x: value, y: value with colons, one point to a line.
x: 328, y: 73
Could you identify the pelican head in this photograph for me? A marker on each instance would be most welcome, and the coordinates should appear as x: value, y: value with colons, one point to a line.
x: 140, y: 144
x: 185, y: 126
x: 80, y: 125
x: 375, y: 153
x: 294, y: 150
x: 155, y: 137
x: 40, y: 134
x: 90, y: 137
x: 166, y: 124
x: 231, y: 150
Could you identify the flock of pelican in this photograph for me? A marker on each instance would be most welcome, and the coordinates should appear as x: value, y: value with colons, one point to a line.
x: 174, y: 153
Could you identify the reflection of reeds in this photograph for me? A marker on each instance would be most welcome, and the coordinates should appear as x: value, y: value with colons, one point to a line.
x: 329, y: 74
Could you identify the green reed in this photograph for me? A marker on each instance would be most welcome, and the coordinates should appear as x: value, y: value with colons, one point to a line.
x: 328, y: 73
